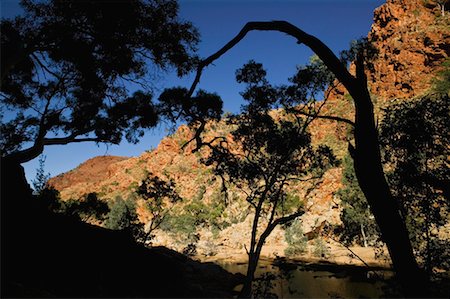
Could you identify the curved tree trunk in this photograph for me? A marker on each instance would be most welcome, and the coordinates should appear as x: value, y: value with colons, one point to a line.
x: 371, y: 179
x: 366, y: 153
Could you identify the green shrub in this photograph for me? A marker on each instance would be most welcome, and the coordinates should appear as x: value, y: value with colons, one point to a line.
x: 320, y: 248
x: 122, y: 215
x: 297, y: 241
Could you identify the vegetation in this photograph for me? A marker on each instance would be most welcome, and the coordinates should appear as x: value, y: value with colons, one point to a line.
x: 441, y: 84
x: 297, y: 242
x: 40, y: 182
x: 75, y: 87
x: 122, y: 216
x: 270, y: 153
x: 183, y: 222
x: 414, y: 135
x: 365, y: 151
x: 88, y: 208
x: 158, y: 194
x: 358, y: 222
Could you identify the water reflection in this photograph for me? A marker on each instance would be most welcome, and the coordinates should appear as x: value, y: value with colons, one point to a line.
x: 300, y: 281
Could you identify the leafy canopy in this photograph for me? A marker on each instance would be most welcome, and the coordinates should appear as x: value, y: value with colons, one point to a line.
x: 69, y: 69
x: 415, y: 135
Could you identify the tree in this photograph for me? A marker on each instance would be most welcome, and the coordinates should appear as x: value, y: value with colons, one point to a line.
x: 157, y: 193
x: 67, y: 69
x: 365, y: 151
x: 40, y: 182
x: 359, y: 223
x: 267, y: 152
x: 442, y: 4
x: 86, y: 208
x: 122, y: 216
x: 414, y: 136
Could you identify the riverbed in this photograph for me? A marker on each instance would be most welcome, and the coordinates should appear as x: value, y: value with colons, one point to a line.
x: 303, y: 280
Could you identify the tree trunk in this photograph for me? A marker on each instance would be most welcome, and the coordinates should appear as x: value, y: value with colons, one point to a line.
x: 246, y: 291
x: 363, y: 235
x: 366, y: 154
x: 371, y: 179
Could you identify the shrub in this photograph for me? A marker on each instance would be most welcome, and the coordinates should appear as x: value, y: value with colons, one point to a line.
x: 87, y: 208
x: 320, y: 248
x: 122, y: 216
x: 297, y: 241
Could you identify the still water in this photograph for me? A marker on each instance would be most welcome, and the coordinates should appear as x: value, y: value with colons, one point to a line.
x: 303, y: 281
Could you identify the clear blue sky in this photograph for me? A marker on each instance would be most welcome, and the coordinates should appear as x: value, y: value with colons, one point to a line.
x: 335, y: 22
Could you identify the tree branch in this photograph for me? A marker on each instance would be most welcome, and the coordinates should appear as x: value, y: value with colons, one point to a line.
x: 318, y: 47
x: 70, y: 139
x: 329, y: 117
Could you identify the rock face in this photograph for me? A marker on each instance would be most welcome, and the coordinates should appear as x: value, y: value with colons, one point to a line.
x: 412, y: 39
x: 93, y: 170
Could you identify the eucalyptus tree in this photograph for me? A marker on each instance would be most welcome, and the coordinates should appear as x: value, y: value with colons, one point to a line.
x: 365, y: 150
x: 68, y: 69
x: 268, y: 149
x: 415, y: 135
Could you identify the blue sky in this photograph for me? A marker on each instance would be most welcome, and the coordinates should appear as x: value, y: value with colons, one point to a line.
x: 334, y: 22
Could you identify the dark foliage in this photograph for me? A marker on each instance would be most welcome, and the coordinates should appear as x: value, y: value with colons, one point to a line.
x: 40, y: 181
x: 358, y: 222
x: 87, y: 208
x: 268, y: 151
x: 158, y: 194
x: 68, y: 68
x: 415, y: 138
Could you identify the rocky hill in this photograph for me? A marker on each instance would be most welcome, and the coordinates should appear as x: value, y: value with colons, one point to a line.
x: 412, y: 40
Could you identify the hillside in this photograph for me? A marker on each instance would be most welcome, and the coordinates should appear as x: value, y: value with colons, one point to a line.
x: 412, y: 41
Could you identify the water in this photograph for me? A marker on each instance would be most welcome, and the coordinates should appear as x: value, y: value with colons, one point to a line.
x: 315, y: 281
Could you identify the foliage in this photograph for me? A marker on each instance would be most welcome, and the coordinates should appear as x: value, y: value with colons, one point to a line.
x: 40, y: 181
x: 356, y: 215
x: 122, y: 216
x: 68, y: 68
x: 50, y: 199
x: 87, y: 208
x: 320, y: 248
x: 297, y: 241
x: 441, y: 84
x: 268, y: 152
x: 362, y: 47
x: 263, y: 286
x: 185, y: 221
x: 415, y: 138
x: 158, y: 194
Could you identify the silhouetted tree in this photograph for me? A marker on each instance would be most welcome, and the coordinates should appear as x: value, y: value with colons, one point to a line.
x: 67, y: 68
x: 415, y: 135
x: 122, y: 216
x: 157, y: 194
x: 365, y: 151
x: 268, y: 152
x: 40, y: 181
x: 86, y: 208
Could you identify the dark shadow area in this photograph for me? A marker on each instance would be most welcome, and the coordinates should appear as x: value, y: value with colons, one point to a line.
x: 49, y: 255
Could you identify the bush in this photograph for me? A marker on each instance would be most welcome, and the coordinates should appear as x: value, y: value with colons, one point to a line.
x: 297, y: 241
x: 122, y: 216
x: 320, y: 248
x: 87, y: 208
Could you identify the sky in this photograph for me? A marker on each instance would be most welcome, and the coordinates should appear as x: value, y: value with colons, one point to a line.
x: 335, y: 22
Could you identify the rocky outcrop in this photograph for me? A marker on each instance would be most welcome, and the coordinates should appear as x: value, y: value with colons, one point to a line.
x: 93, y: 171
x: 412, y: 39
